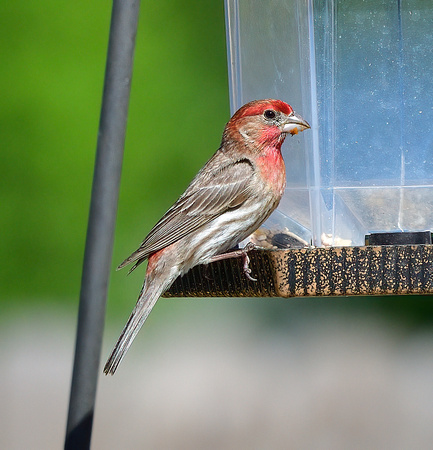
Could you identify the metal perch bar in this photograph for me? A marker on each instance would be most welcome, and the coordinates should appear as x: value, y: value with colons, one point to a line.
x: 313, y: 272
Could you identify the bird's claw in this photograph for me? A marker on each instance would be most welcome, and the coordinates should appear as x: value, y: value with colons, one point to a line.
x: 247, y: 272
x: 246, y: 260
x: 243, y: 253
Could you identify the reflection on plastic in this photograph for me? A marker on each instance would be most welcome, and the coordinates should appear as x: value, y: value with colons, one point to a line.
x: 360, y: 72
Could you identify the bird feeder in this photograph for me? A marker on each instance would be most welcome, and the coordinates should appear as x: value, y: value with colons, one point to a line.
x: 357, y: 213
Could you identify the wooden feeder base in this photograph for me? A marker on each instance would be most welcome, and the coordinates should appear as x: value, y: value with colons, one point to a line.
x: 313, y: 272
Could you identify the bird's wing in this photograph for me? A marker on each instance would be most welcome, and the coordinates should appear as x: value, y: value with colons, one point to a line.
x: 221, y: 185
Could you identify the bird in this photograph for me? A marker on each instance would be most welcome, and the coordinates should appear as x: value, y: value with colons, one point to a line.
x: 229, y: 198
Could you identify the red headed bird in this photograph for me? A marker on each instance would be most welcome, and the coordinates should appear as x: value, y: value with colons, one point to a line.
x: 231, y: 196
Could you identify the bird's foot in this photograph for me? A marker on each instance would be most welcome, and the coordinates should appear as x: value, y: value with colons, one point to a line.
x: 246, y: 260
x: 243, y: 253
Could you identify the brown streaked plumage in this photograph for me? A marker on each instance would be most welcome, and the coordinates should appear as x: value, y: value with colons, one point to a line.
x: 231, y: 196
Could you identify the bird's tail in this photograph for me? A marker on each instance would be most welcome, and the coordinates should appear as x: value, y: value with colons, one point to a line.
x: 146, y: 301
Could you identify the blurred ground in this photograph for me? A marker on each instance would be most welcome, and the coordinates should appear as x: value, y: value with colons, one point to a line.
x: 211, y: 376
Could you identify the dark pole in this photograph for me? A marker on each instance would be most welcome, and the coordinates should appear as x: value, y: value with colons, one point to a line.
x: 102, y: 216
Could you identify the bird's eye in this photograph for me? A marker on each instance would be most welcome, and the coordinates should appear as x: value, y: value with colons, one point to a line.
x: 269, y: 114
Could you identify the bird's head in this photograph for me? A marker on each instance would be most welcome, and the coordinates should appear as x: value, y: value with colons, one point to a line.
x: 265, y: 123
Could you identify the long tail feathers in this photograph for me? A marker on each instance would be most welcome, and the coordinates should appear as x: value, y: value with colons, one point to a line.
x: 146, y: 301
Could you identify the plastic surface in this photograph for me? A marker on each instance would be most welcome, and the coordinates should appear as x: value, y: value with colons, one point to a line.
x: 360, y: 71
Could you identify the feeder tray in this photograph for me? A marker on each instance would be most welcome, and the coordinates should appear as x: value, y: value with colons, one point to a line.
x: 313, y: 272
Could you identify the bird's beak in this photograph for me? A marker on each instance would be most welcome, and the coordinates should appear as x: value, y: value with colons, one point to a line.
x: 294, y: 124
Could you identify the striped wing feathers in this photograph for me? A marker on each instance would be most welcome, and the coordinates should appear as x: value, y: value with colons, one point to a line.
x: 210, y: 194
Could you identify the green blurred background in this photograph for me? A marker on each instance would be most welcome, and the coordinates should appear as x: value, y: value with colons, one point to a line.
x: 53, y: 58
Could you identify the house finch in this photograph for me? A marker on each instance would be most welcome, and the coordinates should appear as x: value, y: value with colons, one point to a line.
x: 231, y: 196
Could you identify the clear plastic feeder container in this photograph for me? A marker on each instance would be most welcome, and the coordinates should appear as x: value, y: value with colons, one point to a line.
x: 361, y: 73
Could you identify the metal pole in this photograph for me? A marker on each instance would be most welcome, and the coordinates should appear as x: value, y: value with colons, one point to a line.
x: 102, y: 216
